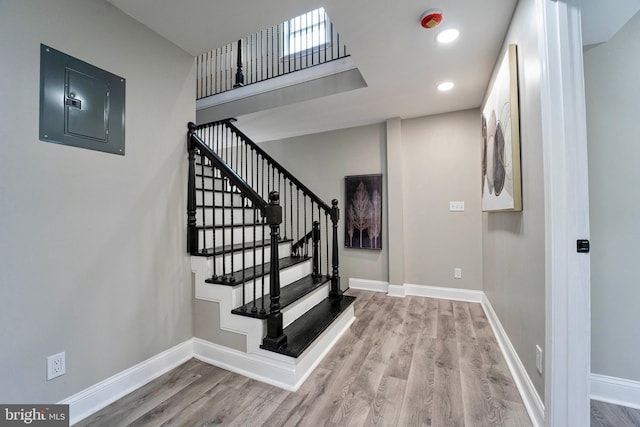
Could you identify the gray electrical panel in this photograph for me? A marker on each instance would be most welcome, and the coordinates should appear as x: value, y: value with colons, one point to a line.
x: 80, y: 105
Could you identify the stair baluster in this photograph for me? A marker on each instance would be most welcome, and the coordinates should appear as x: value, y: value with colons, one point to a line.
x: 316, y: 242
x: 204, y: 211
x: 254, y: 309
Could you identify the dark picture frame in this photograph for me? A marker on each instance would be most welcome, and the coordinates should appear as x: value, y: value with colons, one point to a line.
x: 363, y: 211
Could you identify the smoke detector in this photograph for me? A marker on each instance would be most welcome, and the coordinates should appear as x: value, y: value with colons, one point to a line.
x: 431, y: 18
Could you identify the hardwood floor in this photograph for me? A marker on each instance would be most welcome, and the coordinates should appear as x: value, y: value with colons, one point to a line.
x: 404, y: 362
x: 610, y: 415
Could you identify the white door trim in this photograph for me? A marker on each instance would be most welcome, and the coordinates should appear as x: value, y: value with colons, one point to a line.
x: 564, y: 142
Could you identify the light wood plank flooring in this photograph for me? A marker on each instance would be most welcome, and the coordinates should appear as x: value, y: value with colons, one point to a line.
x: 610, y: 415
x: 404, y: 362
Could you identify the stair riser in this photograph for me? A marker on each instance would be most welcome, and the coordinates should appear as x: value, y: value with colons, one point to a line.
x: 284, y: 250
x: 287, y: 276
x: 219, y: 197
x: 216, y: 216
x: 292, y: 312
x: 209, y: 184
x: 237, y: 235
x: 208, y: 171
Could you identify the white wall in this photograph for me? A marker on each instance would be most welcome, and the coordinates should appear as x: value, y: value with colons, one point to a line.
x: 513, y: 242
x: 441, y: 163
x: 93, y: 255
x: 613, y: 130
x: 321, y: 161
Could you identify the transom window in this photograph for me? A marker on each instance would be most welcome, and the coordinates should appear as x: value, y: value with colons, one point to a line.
x: 306, y: 32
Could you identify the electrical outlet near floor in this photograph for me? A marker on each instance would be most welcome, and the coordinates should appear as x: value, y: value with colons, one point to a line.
x: 457, y: 273
x: 539, y: 359
x: 56, y: 366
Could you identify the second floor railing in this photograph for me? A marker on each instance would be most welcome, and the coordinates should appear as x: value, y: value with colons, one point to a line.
x: 302, y: 42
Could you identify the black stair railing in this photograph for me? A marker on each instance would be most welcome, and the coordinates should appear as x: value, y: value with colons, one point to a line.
x: 302, y: 210
x: 299, y: 43
x: 229, y: 192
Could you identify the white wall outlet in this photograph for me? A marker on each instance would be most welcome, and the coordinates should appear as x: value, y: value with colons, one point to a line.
x: 456, y: 206
x: 56, y: 366
x: 457, y: 273
x: 539, y: 359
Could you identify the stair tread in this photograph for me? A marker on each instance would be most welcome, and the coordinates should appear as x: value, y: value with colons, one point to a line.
x: 237, y: 247
x: 288, y: 295
x: 304, y: 330
x: 248, y: 272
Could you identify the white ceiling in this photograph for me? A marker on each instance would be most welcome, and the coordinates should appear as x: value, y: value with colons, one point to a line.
x: 400, y: 61
x: 602, y: 20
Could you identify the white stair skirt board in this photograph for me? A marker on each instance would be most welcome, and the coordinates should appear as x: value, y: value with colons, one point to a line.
x: 368, y: 285
x: 530, y: 397
x: 278, y: 370
x: 618, y: 391
x: 98, y: 396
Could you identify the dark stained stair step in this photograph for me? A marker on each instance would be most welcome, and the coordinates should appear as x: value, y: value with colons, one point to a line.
x: 236, y: 276
x: 304, y: 330
x: 288, y: 295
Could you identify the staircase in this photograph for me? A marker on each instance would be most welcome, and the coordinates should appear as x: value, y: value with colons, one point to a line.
x: 260, y: 244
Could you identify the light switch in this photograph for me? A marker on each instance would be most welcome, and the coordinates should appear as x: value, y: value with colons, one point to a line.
x: 456, y: 206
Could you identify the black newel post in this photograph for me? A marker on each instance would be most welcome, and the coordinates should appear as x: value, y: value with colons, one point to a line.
x: 316, y: 253
x: 275, y: 337
x: 192, y: 231
x: 335, y: 291
x: 239, y: 75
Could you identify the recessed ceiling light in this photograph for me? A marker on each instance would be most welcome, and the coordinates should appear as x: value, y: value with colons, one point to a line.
x: 447, y: 36
x: 445, y: 86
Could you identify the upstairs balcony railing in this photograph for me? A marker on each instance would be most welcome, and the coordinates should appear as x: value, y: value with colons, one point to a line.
x: 302, y: 42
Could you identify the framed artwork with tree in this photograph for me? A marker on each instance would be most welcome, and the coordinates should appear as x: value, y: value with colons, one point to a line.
x: 363, y: 211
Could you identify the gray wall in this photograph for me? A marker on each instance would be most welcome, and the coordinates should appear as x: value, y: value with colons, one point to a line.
x: 613, y: 130
x: 513, y: 242
x: 441, y: 163
x: 92, y: 246
x: 206, y: 326
x: 321, y: 161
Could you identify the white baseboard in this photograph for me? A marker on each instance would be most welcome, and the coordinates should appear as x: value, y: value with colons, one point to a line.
x: 368, y: 285
x: 99, y: 395
x: 455, y: 294
x: 618, y: 391
x: 281, y: 371
x: 530, y: 397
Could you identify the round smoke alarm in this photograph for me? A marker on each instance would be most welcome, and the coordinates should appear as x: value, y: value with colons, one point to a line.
x: 431, y: 18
